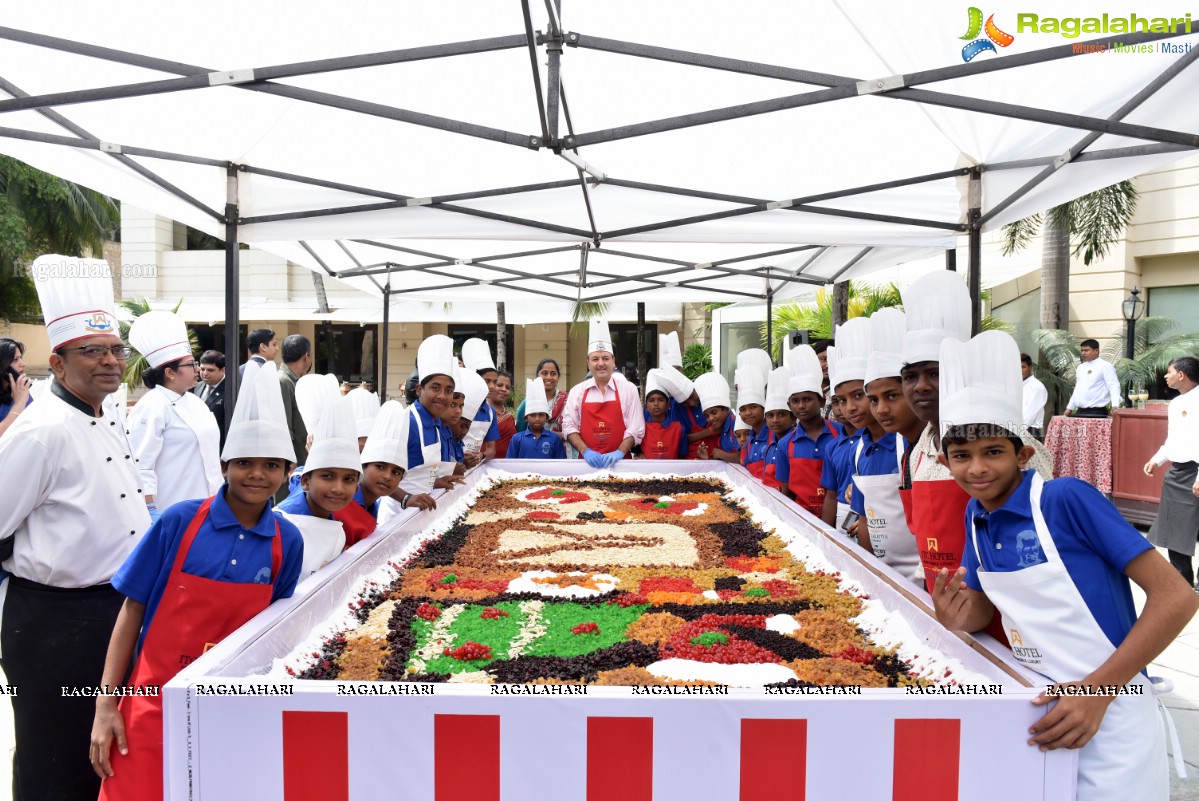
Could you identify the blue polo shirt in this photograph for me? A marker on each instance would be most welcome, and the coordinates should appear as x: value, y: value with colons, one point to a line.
x: 758, y: 447
x: 432, y: 428
x: 487, y: 413
x: 223, y: 551
x: 798, y: 444
x: 297, y: 504
x: 692, y: 417
x: 1092, y: 539
x: 452, y: 449
x: 524, y: 445
x: 878, y: 459
x: 728, y: 439
x: 359, y: 499
x: 837, y: 473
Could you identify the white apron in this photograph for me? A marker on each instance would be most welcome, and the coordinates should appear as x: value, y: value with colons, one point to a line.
x: 843, y: 510
x: 473, y: 441
x: 419, y: 480
x: 323, y: 541
x: 893, y: 542
x: 1053, y: 632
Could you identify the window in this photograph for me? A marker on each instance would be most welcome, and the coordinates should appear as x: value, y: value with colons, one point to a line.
x: 212, y: 337
x: 734, y: 338
x: 461, y: 333
x: 350, y: 352
x: 1179, y: 304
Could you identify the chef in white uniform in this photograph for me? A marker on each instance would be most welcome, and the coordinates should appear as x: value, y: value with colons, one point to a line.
x: 72, y: 513
x: 176, y: 440
x: 1055, y: 558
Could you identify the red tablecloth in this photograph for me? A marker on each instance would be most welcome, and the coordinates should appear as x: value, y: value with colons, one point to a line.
x: 1082, y: 447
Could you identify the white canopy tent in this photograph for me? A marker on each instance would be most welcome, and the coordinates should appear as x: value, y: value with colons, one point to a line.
x: 670, y: 151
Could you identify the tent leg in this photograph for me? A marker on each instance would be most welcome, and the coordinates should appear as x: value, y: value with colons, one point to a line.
x: 233, y: 345
x: 951, y: 260
x: 770, y: 324
x: 386, y: 335
x: 975, y: 270
x: 642, y: 366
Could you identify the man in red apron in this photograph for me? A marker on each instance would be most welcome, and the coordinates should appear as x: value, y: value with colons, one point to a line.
x: 602, y: 418
x: 203, y: 570
x: 800, y: 455
x: 1064, y: 592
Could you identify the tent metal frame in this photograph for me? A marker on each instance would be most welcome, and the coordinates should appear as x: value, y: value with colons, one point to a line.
x: 550, y: 97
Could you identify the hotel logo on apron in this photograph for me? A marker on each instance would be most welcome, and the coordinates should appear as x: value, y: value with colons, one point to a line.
x: 1027, y: 656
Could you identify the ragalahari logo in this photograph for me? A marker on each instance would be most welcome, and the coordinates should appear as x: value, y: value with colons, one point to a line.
x: 993, y: 36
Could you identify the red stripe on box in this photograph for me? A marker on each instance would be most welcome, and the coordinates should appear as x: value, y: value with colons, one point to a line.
x: 316, y: 756
x: 466, y: 757
x: 620, y: 759
x: 927, y: 757
x: 765, y: 745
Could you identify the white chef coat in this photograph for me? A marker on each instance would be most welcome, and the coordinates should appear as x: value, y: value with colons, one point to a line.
x: 176, y: 443
x: 71, y: 493
x: 1035, y: 398
x: 1182, y: 431
x: 1095, y: 385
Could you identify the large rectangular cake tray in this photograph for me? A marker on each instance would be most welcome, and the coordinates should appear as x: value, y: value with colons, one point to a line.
x: 233, y: 733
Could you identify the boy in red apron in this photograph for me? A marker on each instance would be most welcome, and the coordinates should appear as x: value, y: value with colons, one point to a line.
x: 203, y: 570
x: 1055, y: 558
x: 602, y: 418
x: 800, y: 454
x: 664, y: 437
x: 779, y: 421
x: 751, y: 409
x: 383, y: 458
x: 713, y: 393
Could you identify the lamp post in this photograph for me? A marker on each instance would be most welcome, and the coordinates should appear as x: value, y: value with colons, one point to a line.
x: 1131, y: 307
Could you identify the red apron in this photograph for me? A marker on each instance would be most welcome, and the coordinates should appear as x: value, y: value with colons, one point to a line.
x: 662, y: 441
x: 699, y: 421
x: 763, y: 468
x: 804, y: 479
x: 193, y: 614
x: 357, y: 523
x: 601, y: 425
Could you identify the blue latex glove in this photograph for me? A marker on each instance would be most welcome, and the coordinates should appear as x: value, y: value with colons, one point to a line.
x: 595, y: 458
x: 154, y: 513
x: 613, y: 457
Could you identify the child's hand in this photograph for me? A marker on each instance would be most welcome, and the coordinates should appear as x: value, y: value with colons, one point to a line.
x: 423, y: 501
x: 448, y: 482
x: 1072, y: 722
x: 951, y: 599
x: 472, y: 458
x: 108, y: 726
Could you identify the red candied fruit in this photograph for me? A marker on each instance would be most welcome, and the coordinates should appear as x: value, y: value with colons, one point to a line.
x: 428, y: 612
x: 585, y: 628
x: 779, y: 588
x: 469, y: 652
x: 543, y: 515
x: 668, y: 584
x: 856, y: 654
x: 492, y: 613
x: 627, y: 599
x: 561, y: 496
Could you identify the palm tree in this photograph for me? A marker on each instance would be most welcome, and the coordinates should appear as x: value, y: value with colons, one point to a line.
x: 1095, y: 221
x: 137, y: 362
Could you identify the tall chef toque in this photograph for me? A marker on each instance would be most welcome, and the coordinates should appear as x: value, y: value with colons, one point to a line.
x: 981, y: 383
x: 804, y: 367
x: 257, y: 428
x: 314, y: 392
x: 778, y: 389
x: 669, y: 351
x: 476, y: 355
x: 474, y: 392
x: 936, y: 307
x: 853, y: 347
x: 388, y: 439
x: 713, y: 390
x: 366, y: 406
x: 887, y: 329
x: 335, y: 439
x: 751, y: 386
x: 599, y: 339
x: 435, y: 356
x: 535, y: 400
x: 78, y: 304
x: 160, y: 337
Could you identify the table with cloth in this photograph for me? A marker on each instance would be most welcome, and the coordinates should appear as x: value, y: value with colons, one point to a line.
x: 1082, y: 447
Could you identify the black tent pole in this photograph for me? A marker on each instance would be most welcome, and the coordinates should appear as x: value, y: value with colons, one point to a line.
x: 385, y: 337
x: 233, y: 355
x: 769, y: 317
x: 974, y: 279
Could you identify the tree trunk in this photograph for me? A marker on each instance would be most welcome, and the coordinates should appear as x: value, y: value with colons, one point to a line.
x: 501, y: 336
x: 840, y: 305
x: 641, y: 365
x: 322, y: 300
x: 1055, y: 277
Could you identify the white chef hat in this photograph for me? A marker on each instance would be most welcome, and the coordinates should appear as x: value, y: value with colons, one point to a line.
x: 599, y: 338
x: 656, y: 381
x: 476, y: 355
x: 314, y: 393
x: 160, y: 337
x: 741, y: 425
x: 669, y: 351
x: 804, y: 367
x: 474, y: 393
x: 388, y: 439
x: 981, y: 383
x: 713, y: 390
x: 335, y: 440
x: 751, y: 386
x: 435, y: 356
x: 853, y: 346
x: 366, y: 405
x: 258, y: 427
x: 757, y: 359
x: 778, y: 389
x: 535, y: 400
x: 887, y: 329
x: 936, y: 307
x: 76, y: 298
x: 678, y: 386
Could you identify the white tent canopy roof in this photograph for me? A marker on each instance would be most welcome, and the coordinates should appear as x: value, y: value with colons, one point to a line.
x: 436, y: 127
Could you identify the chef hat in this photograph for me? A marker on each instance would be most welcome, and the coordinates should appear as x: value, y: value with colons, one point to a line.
x: 713, y: 391
x: 778, y: 389
x: 657, y: 381
x: 804, y: 367
x: 474, y: 393
x: 160, y: 337
x: 476, y: 355
x: 258, y: 427
x: 76, y: 298
x: 751, y: 386
x: 314, y: 392
x: 756, y: 358
x: 669, y: 352
x: 388, y: 439
x: 937, y: 306
x: 678, y: 386
x: 887, y: 328
x: 741, y: 425
x: 435, y: 356
x: 853, y: 346
x: 366, y: 405
x: 599, y: 338
x: 535, y: 400
x: 335, y: 439
x: 981, y: 383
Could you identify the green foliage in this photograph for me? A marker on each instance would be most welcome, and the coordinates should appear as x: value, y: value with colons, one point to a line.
x: 137, y: 365
x: 582, y: 312
x: 697, y: 360
x: 1093, y: 222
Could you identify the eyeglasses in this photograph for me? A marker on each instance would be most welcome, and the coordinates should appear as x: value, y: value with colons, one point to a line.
x: 119, y: 352
x: 192, y: 365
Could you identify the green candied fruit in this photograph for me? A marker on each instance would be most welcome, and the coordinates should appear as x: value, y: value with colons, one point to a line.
x: 662, y: 505
x: 558, y: 492
x: 758, y: 592
x: 449, y: 578
x: 710, y: 638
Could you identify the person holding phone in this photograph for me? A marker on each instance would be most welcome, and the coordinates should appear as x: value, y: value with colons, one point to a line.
x: 14, y: 384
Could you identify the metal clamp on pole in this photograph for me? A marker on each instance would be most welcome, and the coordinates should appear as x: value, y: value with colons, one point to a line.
x: 879, y: 85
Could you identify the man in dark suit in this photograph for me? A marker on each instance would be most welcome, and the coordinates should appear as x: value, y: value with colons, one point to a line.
x: 211, y: 388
